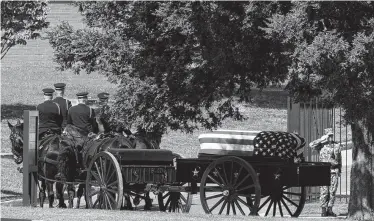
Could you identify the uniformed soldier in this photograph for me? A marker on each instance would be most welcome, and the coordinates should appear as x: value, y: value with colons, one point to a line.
x: 329, y: 151
x: 65, y: 104
x: 50, y: 117
x: 103, y: 98
x: 82, y: 116
x: 103, y: 115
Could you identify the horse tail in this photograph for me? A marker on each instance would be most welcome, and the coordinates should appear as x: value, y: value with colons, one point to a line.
x: 67, y: 159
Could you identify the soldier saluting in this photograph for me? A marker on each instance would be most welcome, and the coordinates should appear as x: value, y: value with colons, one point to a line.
x: 82, y: 116
x: 65, y: 104
x: 330, y: 152
x: 50, y: 117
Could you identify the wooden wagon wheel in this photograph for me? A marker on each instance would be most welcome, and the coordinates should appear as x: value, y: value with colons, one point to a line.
x: 175, y: 201
x: 286, y: 201
x: 104, y: 184
x: 234, y: 179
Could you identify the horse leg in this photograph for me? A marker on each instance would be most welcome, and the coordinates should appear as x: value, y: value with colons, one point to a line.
x: 42, y: 193
x: 128, y: 203
x: 123, y: 203
x: 85, y: 196
x: 51, y: 194
x: 80, y: 192
x: 71, y: 195
x: 148, y: 201
x: 60, y: 195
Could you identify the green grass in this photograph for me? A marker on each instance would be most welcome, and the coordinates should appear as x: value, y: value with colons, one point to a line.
x: 312, y: 210
x: 11, y: 179
x: 257, y: 119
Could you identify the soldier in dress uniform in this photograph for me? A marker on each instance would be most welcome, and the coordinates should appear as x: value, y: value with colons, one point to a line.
x: 81, y: 115
x: 65, y: 104
x: 329, y: 151
x: 103, y: 98
x: 103, y: 115
x: 50, y: 117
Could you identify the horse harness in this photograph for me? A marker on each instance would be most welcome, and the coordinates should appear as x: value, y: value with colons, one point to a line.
x: 45, y: 147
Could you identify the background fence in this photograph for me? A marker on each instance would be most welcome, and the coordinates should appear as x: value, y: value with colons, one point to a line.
x: 310, y: 119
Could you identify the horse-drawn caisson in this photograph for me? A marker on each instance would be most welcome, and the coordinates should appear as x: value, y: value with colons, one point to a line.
x: 236, y: 172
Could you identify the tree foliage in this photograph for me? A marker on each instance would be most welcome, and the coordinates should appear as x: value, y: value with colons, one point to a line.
x: 330, y: 46
x: 178, y: 64
x: 21, y: 20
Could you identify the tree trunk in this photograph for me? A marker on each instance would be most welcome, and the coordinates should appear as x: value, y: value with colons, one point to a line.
x: 361, y: 202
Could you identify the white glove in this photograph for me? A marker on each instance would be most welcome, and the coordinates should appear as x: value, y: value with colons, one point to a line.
x: 324, y: 138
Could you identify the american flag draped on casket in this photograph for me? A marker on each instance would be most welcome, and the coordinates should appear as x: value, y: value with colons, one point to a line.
x: 252, y: 143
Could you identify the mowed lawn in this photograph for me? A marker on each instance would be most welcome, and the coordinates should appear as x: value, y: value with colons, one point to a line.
x: 311, y: 213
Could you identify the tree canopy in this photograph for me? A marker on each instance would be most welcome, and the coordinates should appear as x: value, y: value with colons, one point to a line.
x: 21, y: 20
x: 331, y: 48
x: 178, y: 64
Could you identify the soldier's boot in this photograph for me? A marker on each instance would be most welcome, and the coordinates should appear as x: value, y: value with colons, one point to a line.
x: 330, y: 212
x: 324, y: 212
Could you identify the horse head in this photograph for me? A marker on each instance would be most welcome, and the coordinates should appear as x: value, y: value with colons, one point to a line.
x: 146, y: 140
x: 16, y: 138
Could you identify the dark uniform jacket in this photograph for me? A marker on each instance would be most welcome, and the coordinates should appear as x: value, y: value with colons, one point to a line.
x: 104, y: 116
x: 65, y: 104
x: 83, y: 117
x: 50, y: 117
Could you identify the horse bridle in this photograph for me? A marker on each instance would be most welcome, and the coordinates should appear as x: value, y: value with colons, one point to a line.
x: 16, y: 134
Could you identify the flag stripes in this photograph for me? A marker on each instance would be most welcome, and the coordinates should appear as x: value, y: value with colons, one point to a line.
x: 247, y: 143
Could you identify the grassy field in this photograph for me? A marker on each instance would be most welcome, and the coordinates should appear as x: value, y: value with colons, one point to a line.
x: 83, y: 215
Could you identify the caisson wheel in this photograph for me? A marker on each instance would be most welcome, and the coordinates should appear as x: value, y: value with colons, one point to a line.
x: 104, y: 184
x: 225, y: 186
x: 284, y: 202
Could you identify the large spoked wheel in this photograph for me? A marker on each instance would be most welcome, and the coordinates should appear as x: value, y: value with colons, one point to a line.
x: 225, y: 186
x: 104, y: 184
x: 175, y: 201
x: 284, y: 202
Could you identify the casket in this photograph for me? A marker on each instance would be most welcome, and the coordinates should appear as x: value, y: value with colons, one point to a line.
x: 227, y: 143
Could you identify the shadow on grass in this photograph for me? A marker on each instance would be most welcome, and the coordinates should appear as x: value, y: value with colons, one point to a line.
x: 14, y: 111
x: 269, y: 98
x: 9, y: 192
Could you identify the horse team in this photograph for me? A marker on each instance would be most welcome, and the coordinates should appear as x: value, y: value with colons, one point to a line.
x: 69, y: 137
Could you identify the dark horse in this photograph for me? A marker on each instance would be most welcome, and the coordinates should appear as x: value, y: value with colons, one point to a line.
x: 85, y: 147
x: 141, y: 140
x: 47, y: 164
